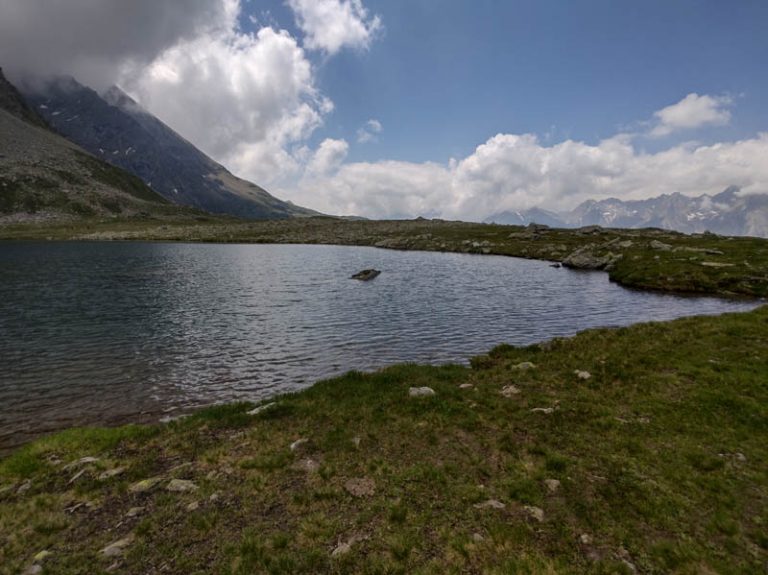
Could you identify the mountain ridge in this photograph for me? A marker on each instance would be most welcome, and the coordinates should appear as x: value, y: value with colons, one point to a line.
x: 117, y: 129
x: 728, y: 213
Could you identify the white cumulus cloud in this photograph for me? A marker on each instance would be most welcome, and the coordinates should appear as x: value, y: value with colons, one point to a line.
x: 330, y: 25
x: 514, y: 172
x: 693, y: 111
x: 369, y: 131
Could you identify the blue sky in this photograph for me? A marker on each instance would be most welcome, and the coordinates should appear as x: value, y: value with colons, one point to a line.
x: 455, y: 109
x: 445, y: 76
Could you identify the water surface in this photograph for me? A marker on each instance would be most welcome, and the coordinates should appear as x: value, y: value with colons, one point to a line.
x: 101, y: 333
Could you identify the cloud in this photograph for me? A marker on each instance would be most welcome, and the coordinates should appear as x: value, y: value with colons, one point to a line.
x: 330, y: 25
x: 328, y: 157
x: 369, y: 131
x: 514, y: 172
x: 244, y: 99
x: 91, y: 39
x: 693, y: 111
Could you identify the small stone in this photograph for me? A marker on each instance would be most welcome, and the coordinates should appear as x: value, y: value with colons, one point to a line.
x: 585, y: 539
x: 307, y: 464
x: 356, y: 440
x: 214, y: 497
x: 477, y: 538
x: 553, y: 485
x: 585, y: 375
x: 657, y: 245
x: 466, y: 386
x: 536, y: 513
x: 34, y: 570
x: 524, y: 365
x: 145, y: 485
x: 490, y: 504
x: 77, y: 476
x: 24, y: 487
x: 261, y: 408
x: 81, y: 461
x: 341, y: 549
x: 42, y: 556
x: 360, y: 487
x: 111, y: 473
x: 510, y: 390
x: 421, y: 392
x: 134, y: 511
x: 116, y: 549
x: 194, y: 506
x: 181, y: 486
x: 298, y: 443
x: 545, y: 410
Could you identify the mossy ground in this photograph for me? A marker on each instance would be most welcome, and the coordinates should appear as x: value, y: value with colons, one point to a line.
x: 660, y: 456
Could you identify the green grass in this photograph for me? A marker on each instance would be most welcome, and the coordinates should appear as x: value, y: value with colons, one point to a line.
x: 660, y: 457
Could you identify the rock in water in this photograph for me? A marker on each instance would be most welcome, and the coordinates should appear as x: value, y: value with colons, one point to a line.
x: 366, y: 275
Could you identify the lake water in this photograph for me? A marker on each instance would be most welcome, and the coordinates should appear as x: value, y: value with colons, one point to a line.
x: 103, y: 333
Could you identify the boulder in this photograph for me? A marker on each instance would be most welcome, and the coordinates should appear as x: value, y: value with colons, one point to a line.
x: 366, y: 275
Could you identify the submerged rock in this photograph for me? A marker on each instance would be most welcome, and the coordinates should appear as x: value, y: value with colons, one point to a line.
x: 366, y: 275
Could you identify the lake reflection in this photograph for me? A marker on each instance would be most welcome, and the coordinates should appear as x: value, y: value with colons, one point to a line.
x: 94, y: 333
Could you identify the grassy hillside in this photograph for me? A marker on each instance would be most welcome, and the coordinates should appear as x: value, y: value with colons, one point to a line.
x: 640, y: 449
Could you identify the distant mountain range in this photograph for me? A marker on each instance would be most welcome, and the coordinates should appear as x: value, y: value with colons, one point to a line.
x: 44, y: 176
x: 727, y: 213
x: 118, y: 130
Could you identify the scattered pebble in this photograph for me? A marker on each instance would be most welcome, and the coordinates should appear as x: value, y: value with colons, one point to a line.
x: 490, y: 504
x: 536, y: 513
x: 585, y: 539
x: 24, y: 487
x: 261, y: 408
x: 360, y: 487
x: 181, y: 486
x: 81, y: 461
x: 42, y: 556
x: 307, y: 464
x: 477, y: 538
x: 546, y: 410
x: 553, y: 485
x: 194, y: 506
x: 466, y: 386
x: 77, y: 476
x: 116, y: 549
x: 582, y: 374
x: 524, y: 365
x: 214, y: 497
x: 145, y: 485
x: 509, y: 391
x: 134, y: 511
x: 356, y: 441
x: 111, y: 473
x: 421, y: 392
x: 341, y: 549
x: 298, y: 443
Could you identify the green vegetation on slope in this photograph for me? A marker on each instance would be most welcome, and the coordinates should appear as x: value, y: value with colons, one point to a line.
x: 651, y: 459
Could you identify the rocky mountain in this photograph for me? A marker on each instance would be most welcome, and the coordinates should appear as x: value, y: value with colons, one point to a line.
x: 115, y: 128
x: 726, y: 213
x: 44, y: 176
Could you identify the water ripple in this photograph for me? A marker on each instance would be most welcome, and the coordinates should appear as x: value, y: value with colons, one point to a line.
x: 94, y: 333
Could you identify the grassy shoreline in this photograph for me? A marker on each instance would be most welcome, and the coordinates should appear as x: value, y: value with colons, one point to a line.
x: 638, y: 449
